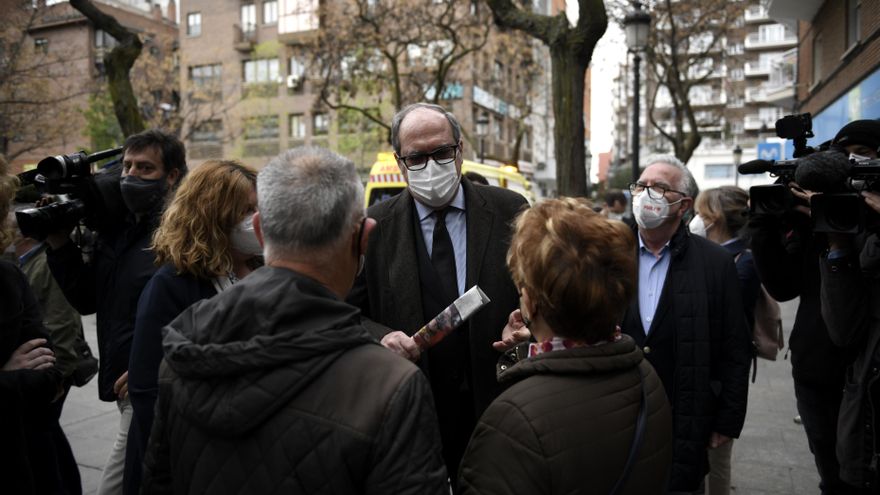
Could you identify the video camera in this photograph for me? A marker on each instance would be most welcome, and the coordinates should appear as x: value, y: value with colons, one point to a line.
x: 94, y: 199
x: 776, y: 199
x: 840, y: 208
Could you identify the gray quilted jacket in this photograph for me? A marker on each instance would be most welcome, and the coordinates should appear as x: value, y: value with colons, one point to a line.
x: 274, y: 387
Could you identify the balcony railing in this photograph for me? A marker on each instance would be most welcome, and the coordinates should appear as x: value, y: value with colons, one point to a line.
x: 756, y: 95
x: 756, y: 41
x: 244, y: 39
x: 756, y: 14
x: 753, y: 122
x: 757, y: 69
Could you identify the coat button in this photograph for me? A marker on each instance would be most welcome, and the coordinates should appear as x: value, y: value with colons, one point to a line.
x: 647, y: 349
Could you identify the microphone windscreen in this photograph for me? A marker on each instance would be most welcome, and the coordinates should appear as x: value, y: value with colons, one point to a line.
x: 824, y: 171
x: 755, y: 167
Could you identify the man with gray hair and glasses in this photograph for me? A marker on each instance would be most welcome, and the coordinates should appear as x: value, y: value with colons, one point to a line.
x: 688, y: 319
x: 432, y: 242
x: 273, y: 385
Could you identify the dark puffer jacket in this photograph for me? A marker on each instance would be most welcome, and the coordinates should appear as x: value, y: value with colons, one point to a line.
x: 700, y: 347
x: 273, y: 386
x: 567, y: 424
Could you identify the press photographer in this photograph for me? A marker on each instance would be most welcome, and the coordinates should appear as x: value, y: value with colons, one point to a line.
x: 786, y: 253
x: 111, y: 282
x: 849, y: 300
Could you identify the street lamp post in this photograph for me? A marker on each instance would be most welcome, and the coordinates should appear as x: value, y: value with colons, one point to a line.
x: 482, y: 130
x: 737, y: 159
x: 637, y: 23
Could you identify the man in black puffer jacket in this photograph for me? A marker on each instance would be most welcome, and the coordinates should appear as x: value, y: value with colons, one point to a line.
x: 688, y: 320
x: 273, y: 386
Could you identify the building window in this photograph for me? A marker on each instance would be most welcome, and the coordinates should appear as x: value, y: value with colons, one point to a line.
x: 194, y: 24
x: 261, y: 71
x: 296, y: 72
x: 248, y: 18
x: 853, y: 30
x: 297, y: 126
x: 41, y: 44
x: 298, y: 15
x: 718, y: 171
x: 498, y: 125
x: 736, y: 74
x: 320, y: 124
x: 205, y: 75
x: 262, y: 127
x: 207, y: 131
x: 270, y: 12
x: 817, y: 58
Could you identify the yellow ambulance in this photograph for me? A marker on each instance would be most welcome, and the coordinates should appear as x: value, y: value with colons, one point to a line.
x: 386, y: 180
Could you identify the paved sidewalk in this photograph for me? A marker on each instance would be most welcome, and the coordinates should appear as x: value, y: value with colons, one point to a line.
x: 771, y: 457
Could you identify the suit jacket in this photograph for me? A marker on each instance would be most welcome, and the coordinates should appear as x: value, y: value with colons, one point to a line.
x: 700, y: 346
x: 388, y: 291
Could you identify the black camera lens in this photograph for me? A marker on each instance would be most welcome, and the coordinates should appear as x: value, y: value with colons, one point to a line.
x: 64, y: 166
x: 37, y: 223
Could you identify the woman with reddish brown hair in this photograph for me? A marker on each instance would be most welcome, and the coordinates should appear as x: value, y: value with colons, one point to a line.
x: 584, y: 413
x: 204, y: 244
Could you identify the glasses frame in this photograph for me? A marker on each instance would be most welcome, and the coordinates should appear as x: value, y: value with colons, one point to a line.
x: 651, y: 192
x: 430, y: 155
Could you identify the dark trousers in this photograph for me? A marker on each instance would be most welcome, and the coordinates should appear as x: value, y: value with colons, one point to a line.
x: 54, y: 467
x: 819, y: 405
x: 455, y: 418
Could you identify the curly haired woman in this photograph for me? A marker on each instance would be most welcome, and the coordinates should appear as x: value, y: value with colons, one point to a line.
x: 204, y: 244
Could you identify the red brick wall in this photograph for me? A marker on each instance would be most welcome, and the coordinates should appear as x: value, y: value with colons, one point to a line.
x: 840, y: 69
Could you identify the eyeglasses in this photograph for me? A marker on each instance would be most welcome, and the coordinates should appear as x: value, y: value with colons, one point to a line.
x: 656, y: 191
x: 418, y: 161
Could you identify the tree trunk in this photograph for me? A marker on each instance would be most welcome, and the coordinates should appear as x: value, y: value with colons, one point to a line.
x: 568, y: 129
x: 118, y: 64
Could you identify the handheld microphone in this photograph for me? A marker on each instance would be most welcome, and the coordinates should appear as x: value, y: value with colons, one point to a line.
x: 755, y: 167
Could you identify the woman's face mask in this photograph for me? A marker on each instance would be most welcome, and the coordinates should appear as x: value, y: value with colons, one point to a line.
x: 244, y: 239
x: 698, y: 226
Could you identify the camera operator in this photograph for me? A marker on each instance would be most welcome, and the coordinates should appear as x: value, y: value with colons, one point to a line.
x: 111, y: 282
x: 850, y: 295
x: 786, y: 254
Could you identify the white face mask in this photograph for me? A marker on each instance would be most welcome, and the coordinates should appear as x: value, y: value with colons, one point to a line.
x: 244, y: 239
x: 650, y: 213
x: 698, y: 226
x: 435, y: 185
x: 615, y: 216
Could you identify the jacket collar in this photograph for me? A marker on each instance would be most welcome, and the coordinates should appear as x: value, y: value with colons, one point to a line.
x: 611, y: 357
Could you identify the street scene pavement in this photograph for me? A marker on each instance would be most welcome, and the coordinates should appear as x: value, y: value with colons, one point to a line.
x: 770, y: 457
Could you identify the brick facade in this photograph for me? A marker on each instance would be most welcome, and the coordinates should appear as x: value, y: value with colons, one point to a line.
x: 841, y: 66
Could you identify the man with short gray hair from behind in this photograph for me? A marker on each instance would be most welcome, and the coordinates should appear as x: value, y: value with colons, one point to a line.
x: 273, y: 386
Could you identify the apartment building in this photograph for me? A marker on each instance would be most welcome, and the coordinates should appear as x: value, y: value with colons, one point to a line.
x: 838, y: 77
x: 71, y: 54
x: 736, y: 105
x: 245, y: 75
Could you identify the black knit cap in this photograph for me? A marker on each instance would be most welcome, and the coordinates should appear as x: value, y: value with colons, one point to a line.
x: 865, y: 132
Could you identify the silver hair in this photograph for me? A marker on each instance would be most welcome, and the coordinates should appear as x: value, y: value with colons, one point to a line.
x: 687, y: 184
x: 309, y: 198
x: 399, y: 116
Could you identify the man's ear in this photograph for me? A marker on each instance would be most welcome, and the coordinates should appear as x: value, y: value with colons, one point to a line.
x: 258, y: 229
x: 173, y: 177
x: 369, y: 225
